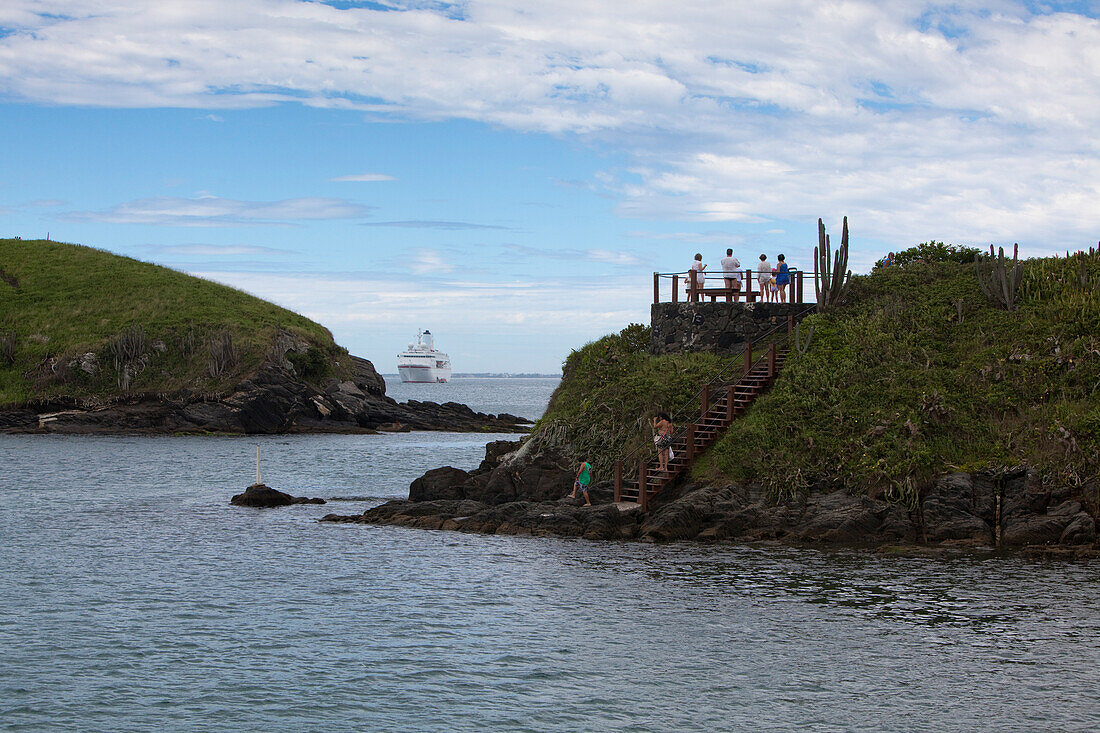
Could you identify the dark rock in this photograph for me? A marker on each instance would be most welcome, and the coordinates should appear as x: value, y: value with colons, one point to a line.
x: 439, y: 483
x: 840, y: 517
x: 272, y: 399
x: 263, y: 496
x: 1081, y: 530
x: 517, y: 518
x: 954, y: 508
x: 1023, y: 528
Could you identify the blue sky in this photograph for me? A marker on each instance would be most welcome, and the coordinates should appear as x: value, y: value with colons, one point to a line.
x: 509, y: 175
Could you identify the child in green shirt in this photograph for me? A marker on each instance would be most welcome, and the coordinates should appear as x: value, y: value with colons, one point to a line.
x: 584, y: 477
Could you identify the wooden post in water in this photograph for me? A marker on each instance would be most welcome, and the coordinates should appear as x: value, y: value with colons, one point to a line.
x: 748, y: 356
x: 618, y: 481
x: 675, y: 288
x: 258, y: 481
x: 643, y: 487
x: 771, y: 361
x: 656, y: 287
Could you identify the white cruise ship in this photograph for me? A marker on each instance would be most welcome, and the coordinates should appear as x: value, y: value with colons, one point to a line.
x: 422, y: 363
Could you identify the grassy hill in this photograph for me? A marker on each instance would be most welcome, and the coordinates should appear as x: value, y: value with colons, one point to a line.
x: 917, y: 373
x: 150, y: 329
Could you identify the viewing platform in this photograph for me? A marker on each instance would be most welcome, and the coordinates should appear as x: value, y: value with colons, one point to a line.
x: 714, y: 287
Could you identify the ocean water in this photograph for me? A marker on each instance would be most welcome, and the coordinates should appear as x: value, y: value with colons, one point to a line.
x: 133, y: 597
x: 525, y: 397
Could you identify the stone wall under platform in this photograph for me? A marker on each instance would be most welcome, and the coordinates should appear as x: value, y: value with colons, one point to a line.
x: 717, y: 327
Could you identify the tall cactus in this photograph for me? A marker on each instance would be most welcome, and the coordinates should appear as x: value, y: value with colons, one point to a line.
x: 830, y: 278
x: 1000, y: 282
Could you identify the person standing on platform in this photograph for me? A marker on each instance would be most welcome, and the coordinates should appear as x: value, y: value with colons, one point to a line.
x: 783, y: 279
x: 764, y: 276
x: 697, y: 276
x: 731, y: 270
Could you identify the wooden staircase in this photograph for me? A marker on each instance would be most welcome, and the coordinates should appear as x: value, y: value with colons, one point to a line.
x: 720, y: 405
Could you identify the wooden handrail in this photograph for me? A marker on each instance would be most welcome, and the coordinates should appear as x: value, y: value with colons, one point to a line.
x: 795, y: 290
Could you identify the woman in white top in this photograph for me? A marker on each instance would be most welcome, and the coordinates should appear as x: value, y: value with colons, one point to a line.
x: 697, y: 275
x: 763, y: 274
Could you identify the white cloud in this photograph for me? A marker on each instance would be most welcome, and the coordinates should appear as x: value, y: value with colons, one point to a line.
x: 363, y: 178
x: 217, y: 250
x: 429, y: 261
x: 781, y: 110
x: 212, y: 211
x: 374, y: 315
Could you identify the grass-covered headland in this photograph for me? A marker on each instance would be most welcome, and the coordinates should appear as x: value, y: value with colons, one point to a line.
x: 915, y: 374
x: 80, y: 325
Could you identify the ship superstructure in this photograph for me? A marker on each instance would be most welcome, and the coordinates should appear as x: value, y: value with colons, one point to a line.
x: 421, y: 362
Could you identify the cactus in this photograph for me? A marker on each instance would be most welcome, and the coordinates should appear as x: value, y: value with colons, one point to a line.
x: 800, y: 347
x: 1000, y: 282
x: 830, y: 278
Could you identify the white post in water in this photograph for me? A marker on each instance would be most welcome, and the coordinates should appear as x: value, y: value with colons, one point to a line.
x: 258, y: 464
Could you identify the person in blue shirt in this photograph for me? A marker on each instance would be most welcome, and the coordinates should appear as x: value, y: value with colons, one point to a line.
x: 584, y: 477
x: 782, y: 278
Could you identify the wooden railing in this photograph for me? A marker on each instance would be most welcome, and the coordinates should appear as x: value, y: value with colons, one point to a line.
x: 714, y: 287
x: 727, y: 394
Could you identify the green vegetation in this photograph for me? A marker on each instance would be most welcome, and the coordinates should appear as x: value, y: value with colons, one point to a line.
x: 915, y: 373
x: 920, y: 374
x: 933, y: 252
x: 151, y: 329
x: 610, y: 390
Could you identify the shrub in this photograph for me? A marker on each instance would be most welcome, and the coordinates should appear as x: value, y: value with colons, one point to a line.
x: 311, y: 364
x: 934, y: 252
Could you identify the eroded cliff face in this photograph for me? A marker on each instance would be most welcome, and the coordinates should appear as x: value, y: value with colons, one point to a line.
x: 273, y: 399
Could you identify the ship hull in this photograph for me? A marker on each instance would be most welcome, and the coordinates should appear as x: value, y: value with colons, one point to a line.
x: 423, y: 374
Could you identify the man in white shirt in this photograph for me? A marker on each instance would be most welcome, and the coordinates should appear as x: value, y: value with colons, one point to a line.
x: 731, y: 269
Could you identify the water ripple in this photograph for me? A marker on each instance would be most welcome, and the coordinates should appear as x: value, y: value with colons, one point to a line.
x: 132, y: 597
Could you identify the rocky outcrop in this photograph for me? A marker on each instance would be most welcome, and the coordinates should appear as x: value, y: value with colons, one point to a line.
x: 519, y: 489
x: 265, y: 497
x: 561, y: 518
x: 273, y: 399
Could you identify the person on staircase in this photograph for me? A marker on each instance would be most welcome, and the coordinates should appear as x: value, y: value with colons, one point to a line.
x: 662, y: 438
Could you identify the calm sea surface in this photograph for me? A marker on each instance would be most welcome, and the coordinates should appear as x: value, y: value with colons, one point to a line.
x: 525, y: 397
x: 133, y: 597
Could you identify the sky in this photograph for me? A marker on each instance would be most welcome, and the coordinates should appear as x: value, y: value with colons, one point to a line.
x: 510, y: 174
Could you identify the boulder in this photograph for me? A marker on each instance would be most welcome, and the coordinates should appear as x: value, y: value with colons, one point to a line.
x: 439, y: 483
x: 957, y: 507
x: 263, y: 496
x: 1081, y: 530
x: 840, y: 517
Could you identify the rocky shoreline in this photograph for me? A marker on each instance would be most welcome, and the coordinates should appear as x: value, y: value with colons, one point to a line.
x: 273, y: 399
x: 520, y: 494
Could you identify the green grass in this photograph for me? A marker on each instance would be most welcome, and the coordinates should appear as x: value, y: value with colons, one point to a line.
x: 919, y: 374
x: 914, y: 375
x: 59, y: 301
x: 610, y: 390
